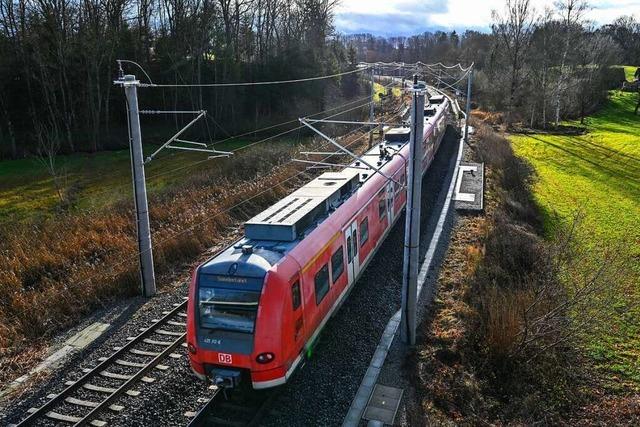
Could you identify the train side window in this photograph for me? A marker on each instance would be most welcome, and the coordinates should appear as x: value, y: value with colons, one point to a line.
x: 364, y: 231
x: 355, y: 243
x: 349, y: 251
x: 296, y: 298
x: 382, y: 207
x: 322, y: 283
x: 337, y: 265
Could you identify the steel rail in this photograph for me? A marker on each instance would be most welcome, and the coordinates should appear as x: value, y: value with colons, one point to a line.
x: 42, y: 411
x: 200, y: 416
x: 134, y: 378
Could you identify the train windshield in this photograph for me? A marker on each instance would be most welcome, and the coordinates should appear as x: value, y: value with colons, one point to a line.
x: 228, y: 309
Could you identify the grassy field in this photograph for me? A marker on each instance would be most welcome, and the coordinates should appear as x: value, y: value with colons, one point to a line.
x: 27, y: 189
x: 598, y: 174
x: 378, y: 88
x: 629, y: 71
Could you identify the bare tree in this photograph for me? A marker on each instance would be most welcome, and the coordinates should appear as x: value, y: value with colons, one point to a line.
x: 513, y: 29
x: 48, y: 148
x: 572, y: 13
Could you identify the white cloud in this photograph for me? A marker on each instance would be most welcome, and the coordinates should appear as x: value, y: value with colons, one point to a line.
x: 387, y: 17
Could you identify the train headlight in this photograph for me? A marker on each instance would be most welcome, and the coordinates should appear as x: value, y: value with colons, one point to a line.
x: 192, y: 348
x: 265, y: 357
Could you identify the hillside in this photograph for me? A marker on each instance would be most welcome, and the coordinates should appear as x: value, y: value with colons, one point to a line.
x: 596, y: 175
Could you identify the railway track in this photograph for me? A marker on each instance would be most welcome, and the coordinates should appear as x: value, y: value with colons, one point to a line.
x: 84, y: 400
x: 240, y: 409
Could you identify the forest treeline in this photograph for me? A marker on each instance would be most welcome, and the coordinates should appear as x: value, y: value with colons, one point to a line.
x: 537, y: 66
x: 58, y: 63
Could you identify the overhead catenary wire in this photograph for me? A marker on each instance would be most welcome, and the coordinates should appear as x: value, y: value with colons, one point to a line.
x: 279, y: 134
x: 180, y: 168
x: 297, y: 128
x: 419, y: 63
x: 247, y: 146
x: 261, y: 83
x: 152, y: 177
x: 452, y: 85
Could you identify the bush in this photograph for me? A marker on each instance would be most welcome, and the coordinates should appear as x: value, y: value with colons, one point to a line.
x: 522, y: 332
x: 613, y: 77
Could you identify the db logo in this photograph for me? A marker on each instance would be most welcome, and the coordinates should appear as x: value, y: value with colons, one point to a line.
x: 225, y: 358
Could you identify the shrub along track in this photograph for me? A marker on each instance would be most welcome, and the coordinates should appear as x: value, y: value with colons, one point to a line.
x: 471, y: 365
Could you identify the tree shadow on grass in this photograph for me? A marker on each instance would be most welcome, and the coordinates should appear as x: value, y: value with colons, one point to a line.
x: 592, y: 164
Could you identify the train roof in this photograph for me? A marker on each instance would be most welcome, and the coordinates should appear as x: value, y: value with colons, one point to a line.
x: 436, y: 99
x: 289, y: 217
x: 278, y: 229
x: 274, y: 232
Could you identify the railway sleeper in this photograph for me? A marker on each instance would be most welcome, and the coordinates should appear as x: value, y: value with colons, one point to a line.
x: 101, y: 389
x: 124, y: 377
x: 86, y: 403
x: 116, y: 376
x: 135, y: 364
x: 68, y: 418
x: 144, y: 352
x: 170, y: 333
x: 156, y: 342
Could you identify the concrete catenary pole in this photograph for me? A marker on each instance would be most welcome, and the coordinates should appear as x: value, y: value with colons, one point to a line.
x: 467, y: 110
x: 412, y: 221
x: 371, y: 110
x: 147, y: 274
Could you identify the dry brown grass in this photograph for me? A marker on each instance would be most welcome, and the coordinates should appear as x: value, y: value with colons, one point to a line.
x: 61, y: 269
x: 487, y: 117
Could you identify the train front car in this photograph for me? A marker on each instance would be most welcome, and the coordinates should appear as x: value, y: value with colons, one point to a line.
x: 233, y: 331
x: 257, y: 307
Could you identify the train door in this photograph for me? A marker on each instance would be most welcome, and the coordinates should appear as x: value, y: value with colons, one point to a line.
x: 351, y: 242
x: 390, y: 201
x: 297, y: 309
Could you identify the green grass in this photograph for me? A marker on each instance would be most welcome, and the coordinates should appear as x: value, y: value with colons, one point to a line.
x: 629, y: 71
x: 378, y: 89
x: 27, y: 190
x: 598, y: 173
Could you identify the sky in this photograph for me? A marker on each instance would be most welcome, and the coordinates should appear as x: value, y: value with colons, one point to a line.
x: 408, y: 17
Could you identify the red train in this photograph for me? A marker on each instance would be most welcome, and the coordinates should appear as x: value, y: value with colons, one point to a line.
x: 256, y: 308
